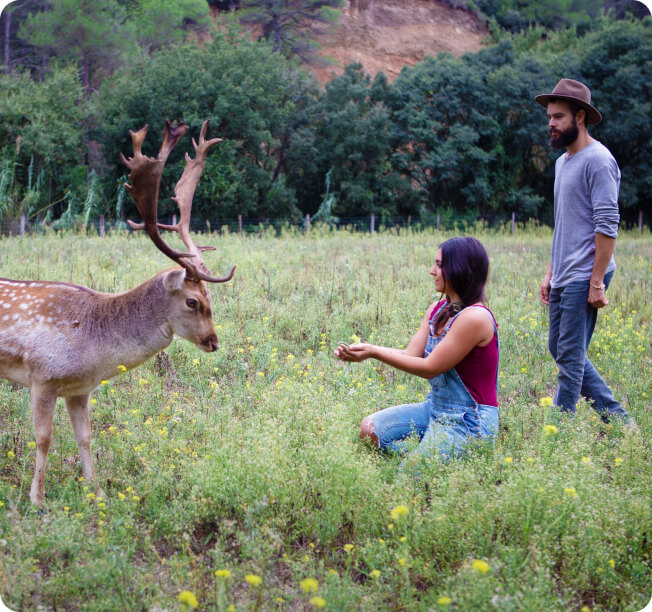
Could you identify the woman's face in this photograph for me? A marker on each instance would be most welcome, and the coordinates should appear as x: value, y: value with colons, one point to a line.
x: 440, y: 282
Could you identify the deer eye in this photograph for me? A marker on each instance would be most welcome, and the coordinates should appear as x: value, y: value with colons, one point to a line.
x: 191, y: 303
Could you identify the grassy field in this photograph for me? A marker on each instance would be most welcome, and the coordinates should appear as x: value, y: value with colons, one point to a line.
x: 236, y: 481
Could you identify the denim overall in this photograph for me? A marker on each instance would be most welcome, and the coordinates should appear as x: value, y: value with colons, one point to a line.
x: 446, y: 422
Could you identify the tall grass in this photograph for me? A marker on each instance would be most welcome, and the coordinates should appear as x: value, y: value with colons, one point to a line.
x: 246, y: 461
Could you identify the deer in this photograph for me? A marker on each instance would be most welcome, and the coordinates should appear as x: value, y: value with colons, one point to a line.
x: 63, y: 340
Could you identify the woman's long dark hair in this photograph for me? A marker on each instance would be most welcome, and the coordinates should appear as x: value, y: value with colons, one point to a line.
x: 465, y: 268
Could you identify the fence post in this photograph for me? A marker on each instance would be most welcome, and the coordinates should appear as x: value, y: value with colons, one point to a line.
x: 240, y: 225
x: 307, y: 222
x: 174, y: 219
x: 373, y: 223
x: 437, y: 220
x: 101, y: 226
x: 640, y: 221
x: 22, y: 225
x: 513, y: 222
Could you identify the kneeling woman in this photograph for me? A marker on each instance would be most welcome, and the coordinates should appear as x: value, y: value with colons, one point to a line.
x: 456, y: 348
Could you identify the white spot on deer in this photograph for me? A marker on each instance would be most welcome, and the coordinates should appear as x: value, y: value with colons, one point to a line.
x: 5, y: 318
x: 5, y: 305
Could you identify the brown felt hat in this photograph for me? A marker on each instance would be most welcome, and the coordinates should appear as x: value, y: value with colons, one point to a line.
x: 573, y: 91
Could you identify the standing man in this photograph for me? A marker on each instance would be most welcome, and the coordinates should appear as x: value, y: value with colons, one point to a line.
x: 587, y: 180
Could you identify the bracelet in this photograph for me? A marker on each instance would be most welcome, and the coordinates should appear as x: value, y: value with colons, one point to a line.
x: 600, y: 286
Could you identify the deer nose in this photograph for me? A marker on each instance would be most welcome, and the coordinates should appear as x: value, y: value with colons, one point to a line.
x: 210, y: 343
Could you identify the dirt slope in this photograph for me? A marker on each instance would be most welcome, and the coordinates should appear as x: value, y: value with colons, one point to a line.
x: 390, y: 34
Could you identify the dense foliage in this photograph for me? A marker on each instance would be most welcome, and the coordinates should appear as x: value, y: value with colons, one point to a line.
x: 451, y: 135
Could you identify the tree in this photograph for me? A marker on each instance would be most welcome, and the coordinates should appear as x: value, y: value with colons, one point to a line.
x: 16, y: 52
x: 41, y: 139
x: 345, y: 143
x: 162, y: 23
x: 617, y: 65
x: 287, y: 24
x: 246, y: 91
x: 90, y: 33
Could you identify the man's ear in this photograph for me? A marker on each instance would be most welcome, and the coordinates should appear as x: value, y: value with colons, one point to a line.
x: 580, y: 117
x: 173, y: 280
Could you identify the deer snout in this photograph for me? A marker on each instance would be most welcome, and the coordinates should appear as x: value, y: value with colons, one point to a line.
x: 209, y: 343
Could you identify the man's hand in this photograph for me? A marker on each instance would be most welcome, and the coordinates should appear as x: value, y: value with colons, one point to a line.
x: 597, y: 298
x: 544, y: 289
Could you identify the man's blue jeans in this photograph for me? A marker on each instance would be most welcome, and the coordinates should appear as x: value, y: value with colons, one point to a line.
x: 572, y: 321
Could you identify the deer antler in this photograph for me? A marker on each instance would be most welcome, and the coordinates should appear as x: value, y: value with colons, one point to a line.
x: 145, y: 177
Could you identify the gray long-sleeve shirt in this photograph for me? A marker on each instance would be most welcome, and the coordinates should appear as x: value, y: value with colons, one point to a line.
x: 586, y: 203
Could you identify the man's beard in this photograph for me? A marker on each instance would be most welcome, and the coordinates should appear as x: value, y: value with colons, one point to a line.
x: 561, y: 140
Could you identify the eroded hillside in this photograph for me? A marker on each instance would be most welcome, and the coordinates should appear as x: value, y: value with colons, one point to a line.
x: 386, y: 35
x: 390, y: 34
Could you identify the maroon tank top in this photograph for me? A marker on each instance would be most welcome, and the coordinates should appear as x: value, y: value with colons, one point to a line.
x: 479, y: 368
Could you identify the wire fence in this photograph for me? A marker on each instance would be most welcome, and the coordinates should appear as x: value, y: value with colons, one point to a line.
x: 255, y: 225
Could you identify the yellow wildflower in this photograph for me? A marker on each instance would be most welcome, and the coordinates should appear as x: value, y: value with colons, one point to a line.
x: 253, y: 580
x: 188, y: 598
x: 122, y: 368
x: 374, y: 574
x: 309, y: 585
x: 612, y: 563
x: 399, y: 511
x: 223, y: 573
x: 444, y: 600
x: 550, y: 430
x: 546, y: 402
x: 318, y: 602
x: 480, y: 566
x: 570, y: 491
x: 348, y: 547
x: 508, y: 460
x: 11, y: 454
x: 618, y: 461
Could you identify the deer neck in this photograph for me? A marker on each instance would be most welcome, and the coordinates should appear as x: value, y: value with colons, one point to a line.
x: 134, y: 325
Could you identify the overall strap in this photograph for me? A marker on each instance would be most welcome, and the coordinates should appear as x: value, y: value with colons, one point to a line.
x: 484, y: 308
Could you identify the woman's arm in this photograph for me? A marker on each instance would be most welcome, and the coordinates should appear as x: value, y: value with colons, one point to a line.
x: 471, y: 328
x: 417, y: 344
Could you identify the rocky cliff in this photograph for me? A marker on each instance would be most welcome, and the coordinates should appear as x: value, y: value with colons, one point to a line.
x: 386, y: 35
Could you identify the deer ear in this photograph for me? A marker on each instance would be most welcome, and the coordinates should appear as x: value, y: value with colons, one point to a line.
x: 173, y: 280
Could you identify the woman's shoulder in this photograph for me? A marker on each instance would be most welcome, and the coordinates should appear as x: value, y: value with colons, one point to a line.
x: 477, y: 318
x: 433, y: 308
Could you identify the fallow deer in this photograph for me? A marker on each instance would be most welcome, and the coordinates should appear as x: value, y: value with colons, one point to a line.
x: 62, y: 340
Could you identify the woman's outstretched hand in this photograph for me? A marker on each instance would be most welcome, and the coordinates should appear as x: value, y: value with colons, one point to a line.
x: 354, y: 352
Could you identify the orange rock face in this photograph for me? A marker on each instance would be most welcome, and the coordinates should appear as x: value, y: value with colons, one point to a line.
x: 386, y: 35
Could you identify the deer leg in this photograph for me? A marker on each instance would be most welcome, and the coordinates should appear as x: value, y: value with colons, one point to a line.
x: 77, y: 406
x: 43, y: 401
